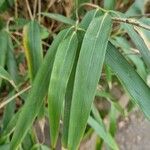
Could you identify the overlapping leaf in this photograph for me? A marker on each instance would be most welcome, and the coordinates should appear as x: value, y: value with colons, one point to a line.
x: 38, y: 92
x: 135, y: 86
x: 103, y: 133
x: 88, y: 71
x: 62, y: 67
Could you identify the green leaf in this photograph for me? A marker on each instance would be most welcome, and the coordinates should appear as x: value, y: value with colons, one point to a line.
x: 79, y: 2
x: 113, y: 120
x: 68, y: 94
x: 127, y: 49
x: 40, y: 147
x: 88, y: 18
x: 59, y: 18
x: 10, y: 127
x: 62, y: 67
x: 5, y: 4
x: 5, y: 75
x: 133, y: 83
x: 37, y: 94
x: 109, y: 4
x: 33, y: 47
x: 3, y: 48
x: 2, y: 2
x: 5, y: 147
x: 103, y: 133
x: 88, y: 71
x: 8, y: 112
x: 139, y: 43
x: 11, y: 61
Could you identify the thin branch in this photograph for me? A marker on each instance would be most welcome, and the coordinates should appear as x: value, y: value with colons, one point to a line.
x: 5, y: 102
x: 39, y: 10
x: 29, y: 9
x: 35, y: 8
x: 132, y: 22
x: 16, y: 9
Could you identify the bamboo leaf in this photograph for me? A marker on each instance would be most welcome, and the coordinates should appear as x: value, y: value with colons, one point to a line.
x: 140, y: 44
x: 33, y: 47
x: 62, y: 67
x: 135, y: 86
x: 109, y: 4
x: 37, y: 94
x: 11, y: 61
x: 88, y: 18
x: 88, y: 71
x: 103, y: 133
x: 59, y: 18
x: 126, y: 47
x: 3, y: 48
x: 5, y: 75
x: 68, y: 94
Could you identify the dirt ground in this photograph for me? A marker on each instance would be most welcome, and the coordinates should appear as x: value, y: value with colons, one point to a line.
x: 134, y: 132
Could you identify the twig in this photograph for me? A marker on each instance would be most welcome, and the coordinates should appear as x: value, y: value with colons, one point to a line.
x: 5, y: 102
x: 35, y: 7
x: 133, y: 22
x: 29, y: 9
x: 16, y: 9
x: 39, y: 10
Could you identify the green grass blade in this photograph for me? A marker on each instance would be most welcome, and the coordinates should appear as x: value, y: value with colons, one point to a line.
x: 8, y: 112
x: 5, y: 75
x: 139, y: 43
x: 59, y: 18
x: 127, y: 49
x: 37, y: 94
x: 103, y: 133
x: 113, y: 120
x: 88, y: 72
x: 133, y: 83
x: 109, y: 4
x: 33, y: 47
x: 88, y: 18
x: 11, y: 61
x: 68, y: 95
x: 3, y: 48
x: 62, y: 67
x: 10, y: 127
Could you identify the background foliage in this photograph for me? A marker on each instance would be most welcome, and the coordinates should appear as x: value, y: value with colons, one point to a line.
x: 59, y: 63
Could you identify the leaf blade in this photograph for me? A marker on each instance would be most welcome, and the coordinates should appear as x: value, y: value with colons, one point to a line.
x: 90, y: 61
x: 135, y: 86
x: 59, y: 18
x: 37, y: 94
x: 33, y: 47
x: 62, y: 67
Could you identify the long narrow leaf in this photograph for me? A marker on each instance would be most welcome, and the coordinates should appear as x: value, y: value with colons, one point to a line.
x: 59, y: 18
x: 11, y: 61
x: 62, y: 67
x: 88, y: 71
x: 37, y: 94
x: 136, y: 87
x: 5, y: 75
x: 68, y: 94
x: 33, y: 47
x: 103, y: 133
x: 3, y: 49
